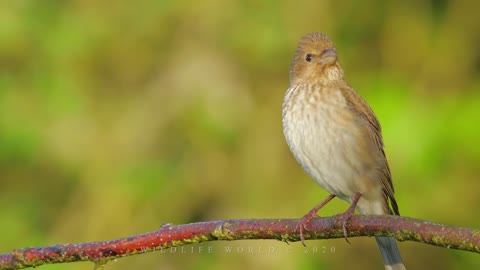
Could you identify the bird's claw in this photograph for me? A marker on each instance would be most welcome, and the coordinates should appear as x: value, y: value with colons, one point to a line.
x: 343, y: 219
x: 347, y: 215
x: 305, y: 220
x: 302, y: 228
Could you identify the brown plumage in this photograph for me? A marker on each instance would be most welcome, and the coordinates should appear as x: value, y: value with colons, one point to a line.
x: 336, y: 137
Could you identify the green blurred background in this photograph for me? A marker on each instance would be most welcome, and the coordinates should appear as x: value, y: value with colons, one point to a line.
x: 116, y: 116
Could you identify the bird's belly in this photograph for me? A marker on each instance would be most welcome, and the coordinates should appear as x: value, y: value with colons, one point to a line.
x: 325, y: 142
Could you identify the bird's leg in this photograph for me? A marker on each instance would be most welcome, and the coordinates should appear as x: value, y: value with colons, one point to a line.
x: 303, y: 222
x: 345, y: 217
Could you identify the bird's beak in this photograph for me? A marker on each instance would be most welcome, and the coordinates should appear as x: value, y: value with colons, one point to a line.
x: 328, y: 57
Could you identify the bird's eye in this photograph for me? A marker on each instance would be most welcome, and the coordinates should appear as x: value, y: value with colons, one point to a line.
x: 308, y: 57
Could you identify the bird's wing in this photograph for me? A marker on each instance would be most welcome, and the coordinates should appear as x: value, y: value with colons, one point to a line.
x: 359, y: 106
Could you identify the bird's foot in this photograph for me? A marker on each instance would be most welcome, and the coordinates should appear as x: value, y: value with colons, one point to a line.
x: 302, y: 224
x: 347, y: 215
x: 305, y: 220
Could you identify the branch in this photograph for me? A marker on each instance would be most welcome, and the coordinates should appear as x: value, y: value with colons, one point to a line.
x: 401, y: 228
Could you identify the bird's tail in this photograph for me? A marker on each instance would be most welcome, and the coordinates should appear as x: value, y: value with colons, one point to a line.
x: 390, y: 253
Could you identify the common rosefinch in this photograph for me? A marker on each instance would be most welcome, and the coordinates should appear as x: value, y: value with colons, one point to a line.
x: 337, y: 139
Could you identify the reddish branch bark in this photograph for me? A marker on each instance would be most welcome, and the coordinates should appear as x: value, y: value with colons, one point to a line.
x: 401, y: 228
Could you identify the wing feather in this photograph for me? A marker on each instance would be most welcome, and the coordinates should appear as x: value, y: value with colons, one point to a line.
x: 359, y: 106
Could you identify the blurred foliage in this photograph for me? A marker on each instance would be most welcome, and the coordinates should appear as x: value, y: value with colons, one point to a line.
x: 116, y: 116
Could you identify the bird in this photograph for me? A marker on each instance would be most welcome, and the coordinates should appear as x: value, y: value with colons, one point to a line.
x: 336, y: 138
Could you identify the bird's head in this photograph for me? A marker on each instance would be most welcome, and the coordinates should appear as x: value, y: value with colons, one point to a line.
x: 315, y: 60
